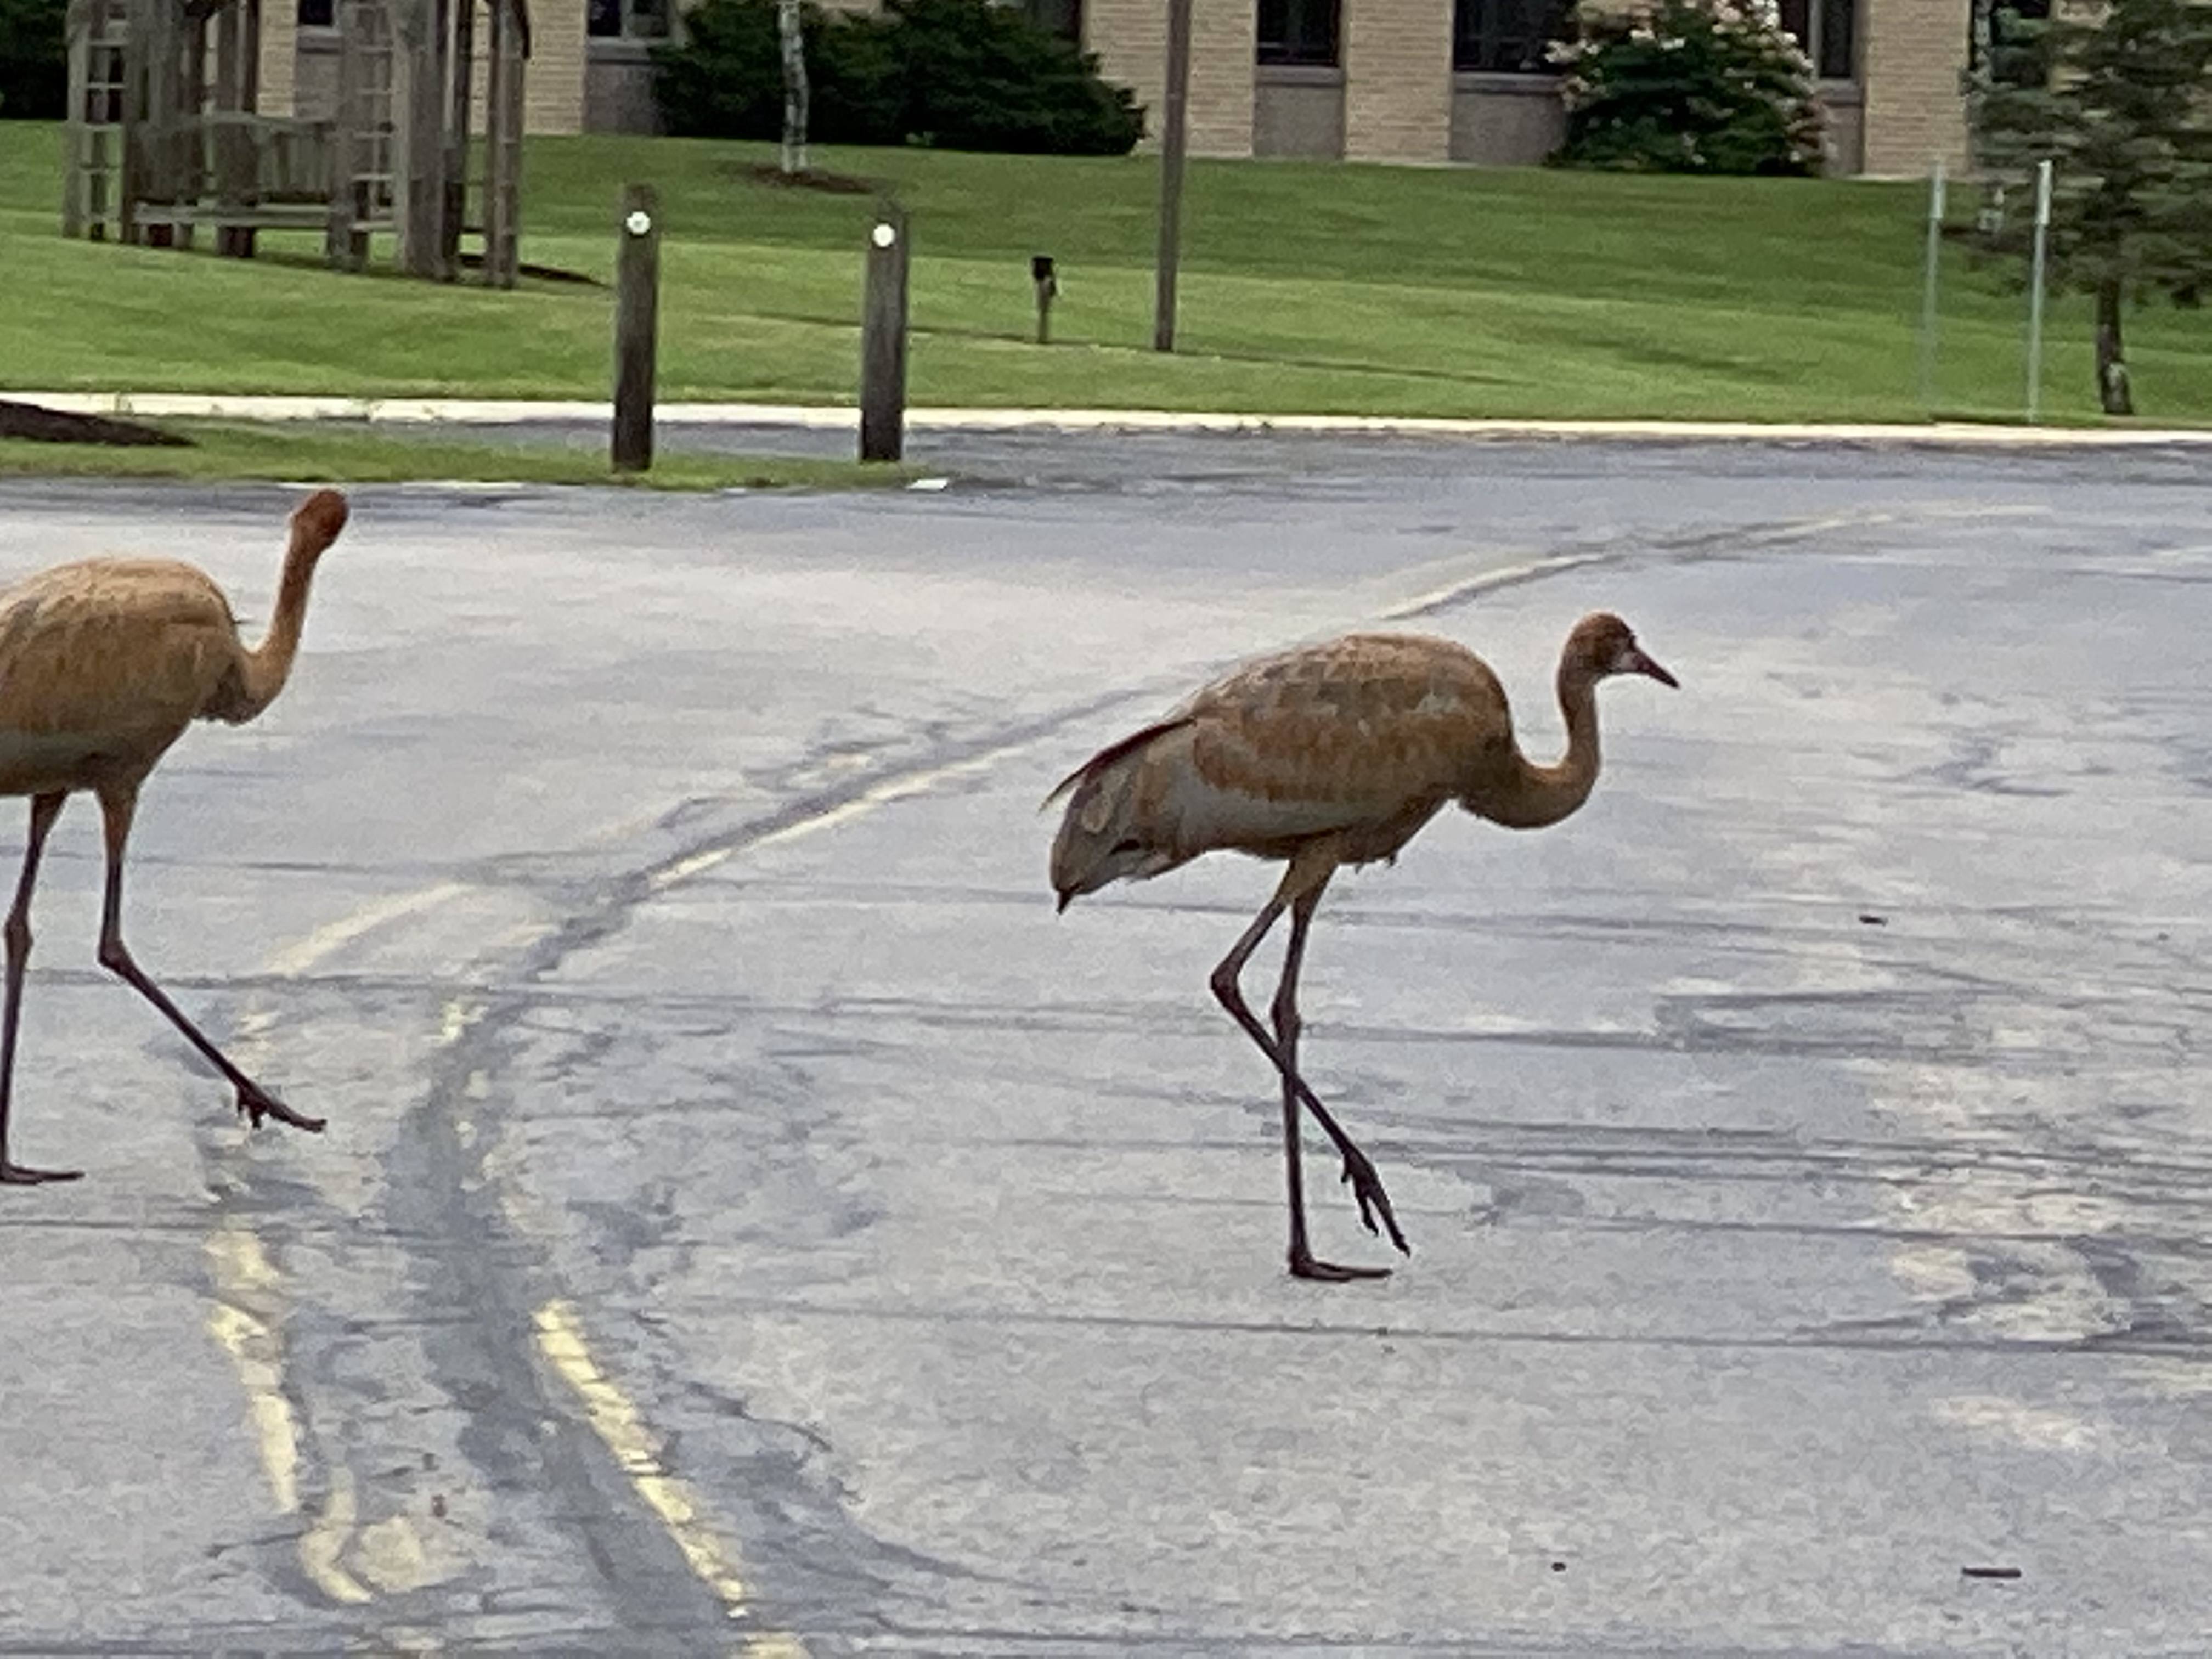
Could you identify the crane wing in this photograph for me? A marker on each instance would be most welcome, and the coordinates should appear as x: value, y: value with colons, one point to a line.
x: 1351, y: 731
x: 1365, y: 736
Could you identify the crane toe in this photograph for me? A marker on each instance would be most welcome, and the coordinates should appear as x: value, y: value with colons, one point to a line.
x: 1367, y: 1187
x: 255, y: 1104
x: 1328, y: 1273
x: 15, y: 1175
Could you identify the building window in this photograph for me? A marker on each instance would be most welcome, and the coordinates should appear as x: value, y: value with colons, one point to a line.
x: 1506, y: 37
x: 1298, y: 32
x: 1991, y: 39
x: 317, y: 14
x: 1061, y: 17
x: 1827, y: 29
x: 626, y: 20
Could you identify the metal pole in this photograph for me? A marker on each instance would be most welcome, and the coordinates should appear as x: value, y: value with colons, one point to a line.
x: 1928, y: 311
x: 883, y: 340
x: 793, y: 38
x: 637, y: 304
x: 1173, y: 136
x: 2035, y: 289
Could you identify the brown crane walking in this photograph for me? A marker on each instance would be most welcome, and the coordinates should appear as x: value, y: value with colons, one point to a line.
x: 103, y: 664
x: 1325, y: 756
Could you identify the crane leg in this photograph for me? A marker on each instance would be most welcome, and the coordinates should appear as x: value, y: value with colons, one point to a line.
x: 1304, y: 876
x: 118, y: 805
x: 44, y: 808
x: 1288, y: 1024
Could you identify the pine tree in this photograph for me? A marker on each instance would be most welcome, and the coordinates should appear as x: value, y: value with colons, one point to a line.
x: 34, y: 59
x: 2118, y: 97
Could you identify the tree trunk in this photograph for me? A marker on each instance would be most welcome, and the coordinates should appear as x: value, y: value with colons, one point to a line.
x: 2111, y: 360
x: 794, y: 86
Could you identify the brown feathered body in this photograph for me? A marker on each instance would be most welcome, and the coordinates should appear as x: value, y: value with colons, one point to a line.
x: 1360, y: 740
x: 105, y: 662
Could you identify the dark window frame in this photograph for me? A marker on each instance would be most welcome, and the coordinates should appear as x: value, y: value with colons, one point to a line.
x: 2017, y: 72
x: 1506, y: 37
x: 316, y: 15
x: 1061, y: 17
x: 1814, y: 25
x: 1304, y: 32
x: 629, y: 19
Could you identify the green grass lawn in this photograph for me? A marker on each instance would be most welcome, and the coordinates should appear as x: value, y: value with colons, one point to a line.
x: 1310, y: 287
x: 342, y: 453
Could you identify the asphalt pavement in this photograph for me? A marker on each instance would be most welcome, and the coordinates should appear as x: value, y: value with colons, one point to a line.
x: 751, y: 1222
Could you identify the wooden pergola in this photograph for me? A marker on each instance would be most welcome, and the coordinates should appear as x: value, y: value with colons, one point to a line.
x: 165, y: 135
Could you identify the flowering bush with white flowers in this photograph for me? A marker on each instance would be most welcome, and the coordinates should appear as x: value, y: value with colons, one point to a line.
x: 1688, y: 86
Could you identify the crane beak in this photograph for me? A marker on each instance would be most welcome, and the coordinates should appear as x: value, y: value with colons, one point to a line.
x: 1633, y: 661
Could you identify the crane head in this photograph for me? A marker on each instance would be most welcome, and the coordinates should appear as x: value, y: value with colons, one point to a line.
x: 1602, y: 645
x: 316, y: 522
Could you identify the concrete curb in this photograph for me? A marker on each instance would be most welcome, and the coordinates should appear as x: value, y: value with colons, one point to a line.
x: 465, y: 411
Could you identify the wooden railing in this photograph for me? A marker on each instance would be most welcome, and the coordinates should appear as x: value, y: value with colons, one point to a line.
x: 225, y: 159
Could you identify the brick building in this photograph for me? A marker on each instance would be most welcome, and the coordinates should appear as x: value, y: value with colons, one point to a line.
x: 1436, y: 80
x: 1408, y: 81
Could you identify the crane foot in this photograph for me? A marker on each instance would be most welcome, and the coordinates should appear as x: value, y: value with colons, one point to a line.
x: 255, y: 1103
x: 1327, y: 1272
x: 14, y: 1174
x: 1367, y: 1187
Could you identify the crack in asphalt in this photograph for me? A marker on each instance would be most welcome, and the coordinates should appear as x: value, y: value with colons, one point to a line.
x: 479, y: 1279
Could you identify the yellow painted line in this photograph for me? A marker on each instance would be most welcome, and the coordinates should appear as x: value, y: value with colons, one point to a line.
x: 1468, y: 587
x: 391, y: 1554
x: 614, y: 1417
x: 325, y: 1542
x: 333, y: 937
x: 249, y: 1288
x: 453, y: 1024
x: 256, y: 1353
x: 868, y: 800
x: 243, y: 1323
x: 248, y: 1342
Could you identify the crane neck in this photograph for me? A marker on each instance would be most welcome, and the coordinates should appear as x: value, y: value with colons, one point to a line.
x: 269, y: 665
x: 1542, y: 795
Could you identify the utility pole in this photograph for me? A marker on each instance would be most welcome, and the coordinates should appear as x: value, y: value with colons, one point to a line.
x: 1173, y: 136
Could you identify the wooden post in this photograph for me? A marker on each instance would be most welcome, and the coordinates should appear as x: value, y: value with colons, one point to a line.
x: 190, y: 151
x: 235, y: 144
x: 883, y: 339
x: 343, y: 248
x: 100, y: 205
x: 503, y: 148
x: 1048, y: 288
x: 459, y: 69
x: 76, y: 139
x: 1174, y: 138
x: 420, y: 38
x: 637, y: 282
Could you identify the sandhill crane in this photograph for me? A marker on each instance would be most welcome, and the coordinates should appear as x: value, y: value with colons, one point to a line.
x: 103, y: 664
x: 1324, y: 756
